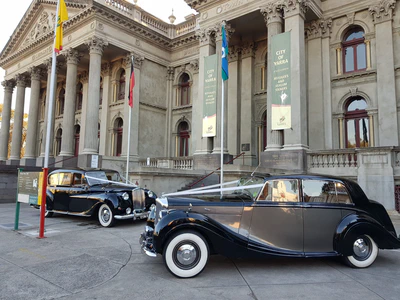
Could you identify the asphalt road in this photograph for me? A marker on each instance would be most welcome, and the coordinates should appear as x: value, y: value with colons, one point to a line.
x: 79, y: 259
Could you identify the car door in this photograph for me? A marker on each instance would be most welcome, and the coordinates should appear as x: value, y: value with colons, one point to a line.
x: 59, y: 185
x: 79, y: 202
x: 277, y: 221
x: 322, y: 214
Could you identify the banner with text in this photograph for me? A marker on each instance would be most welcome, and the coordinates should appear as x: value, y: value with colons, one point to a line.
x: 281, y: 111
x: 210, y: 96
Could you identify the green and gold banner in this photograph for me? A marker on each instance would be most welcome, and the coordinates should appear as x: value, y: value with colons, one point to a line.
x: 281, y: 110
x: 210, y: 96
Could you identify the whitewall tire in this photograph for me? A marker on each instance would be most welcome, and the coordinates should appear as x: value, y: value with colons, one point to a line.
x: 364, y: 254
x: 186, y: 254
x: 106, y: 216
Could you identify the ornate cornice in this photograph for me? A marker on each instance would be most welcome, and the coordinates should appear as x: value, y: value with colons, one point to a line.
x: 319, y: 28
x: 383, y: 11
x: 195, y: 4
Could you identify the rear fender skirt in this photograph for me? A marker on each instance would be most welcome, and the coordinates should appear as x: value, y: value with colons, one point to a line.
x: 358, y: 224
x: 219, y: 237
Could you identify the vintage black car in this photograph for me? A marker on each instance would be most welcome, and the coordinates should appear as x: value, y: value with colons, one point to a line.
x: 94, y: 192
x: 287, y: 215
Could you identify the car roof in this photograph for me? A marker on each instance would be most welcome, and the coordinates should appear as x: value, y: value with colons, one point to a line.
x: 81, y: 170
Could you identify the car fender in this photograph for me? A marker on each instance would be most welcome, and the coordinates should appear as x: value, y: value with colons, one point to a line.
x: 214, y: 232
x: 358, y: 224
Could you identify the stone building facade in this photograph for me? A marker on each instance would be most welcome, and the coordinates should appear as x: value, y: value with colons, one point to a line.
x: 345, y: 77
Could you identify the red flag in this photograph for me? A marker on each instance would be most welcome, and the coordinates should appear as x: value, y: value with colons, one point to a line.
x: 131, y: 83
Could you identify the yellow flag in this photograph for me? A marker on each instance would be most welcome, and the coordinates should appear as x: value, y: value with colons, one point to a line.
x: 62, y: 16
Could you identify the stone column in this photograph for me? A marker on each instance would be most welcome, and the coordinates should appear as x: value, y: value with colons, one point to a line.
x: 248, y: 130
x: 6, y: 117
x: 273, y: 18
x: 169, y: 96
x: 318, y: 67
x: 67, y: 142
x: 96, y: 46
x: 296, y: 138
x: 52, y: 113
x: 382, y: 14
x: 233, y: 113
x: 207, y: 48
x: 107, y: 99
x: 84, y: 79
x: 18, y: 118
x: 31, y: 136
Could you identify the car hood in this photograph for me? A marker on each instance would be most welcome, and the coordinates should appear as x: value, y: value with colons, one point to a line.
x: 112, y: 188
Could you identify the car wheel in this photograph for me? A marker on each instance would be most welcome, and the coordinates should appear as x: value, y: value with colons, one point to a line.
x: 364, y: 254
x: 186, y: 254
x: 106, y: 216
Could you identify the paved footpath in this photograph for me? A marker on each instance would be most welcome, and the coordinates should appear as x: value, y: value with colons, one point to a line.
x: 81, y: 260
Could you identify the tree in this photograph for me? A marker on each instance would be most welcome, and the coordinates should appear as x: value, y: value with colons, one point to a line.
x: 24, y: 129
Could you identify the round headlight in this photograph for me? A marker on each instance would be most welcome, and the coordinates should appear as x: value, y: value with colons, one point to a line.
x: 151, y: 195
x: 128, y: 211
x: 125, y: 196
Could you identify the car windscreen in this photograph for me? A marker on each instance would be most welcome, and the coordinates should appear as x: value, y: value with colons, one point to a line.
x: 250, y: 185
x: 96, y: 177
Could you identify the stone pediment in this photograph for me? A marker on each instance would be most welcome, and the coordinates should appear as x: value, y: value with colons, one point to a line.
x: 38, y: 24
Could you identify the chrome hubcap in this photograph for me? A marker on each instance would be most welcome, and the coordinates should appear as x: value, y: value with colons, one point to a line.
x: 361, y: 248
x: 186, y: 254
x: 105, y: 215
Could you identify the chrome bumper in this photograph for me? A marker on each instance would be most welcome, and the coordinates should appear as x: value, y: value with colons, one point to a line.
x: 135, y: 216
x: 146, y: 242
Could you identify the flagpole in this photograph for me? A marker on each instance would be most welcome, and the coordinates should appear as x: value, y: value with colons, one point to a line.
x: 129, y: 144
x: 48, y: 132
x: 222, y: 135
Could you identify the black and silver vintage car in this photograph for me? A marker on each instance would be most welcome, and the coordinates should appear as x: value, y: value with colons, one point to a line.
x: 96, y: 192
x: 290, y: 215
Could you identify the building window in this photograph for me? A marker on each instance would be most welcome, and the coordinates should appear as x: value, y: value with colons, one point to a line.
x: 101, y: 91
x: 183, y: 135
x: 357, y: 124
x: 77, y: 131
x: 121, y: 86
x: 57, y: 148
x: 184, y: 90
x: 117, y: 137
x: 354, y: 51
x: 79, y: 96
x: 61, y: 102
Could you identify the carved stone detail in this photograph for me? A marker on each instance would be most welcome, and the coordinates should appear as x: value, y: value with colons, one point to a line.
x: 194, y: 64
x: 234, y: 53
x: 205, y: 36
x: 272, y: 12
x: 294, y: 6
x: 36, y: 73
x: 84, y: 77
x: 73, y: 56
x: 319, y: 28
x: 21, y: 80
x: 43, y: 27
x: 248, y: 49
x: 8, y: 85
x: 96, y: 45
x: 353, y: 91
x: 170, y: 73
x: 383, y: 11
x: 106, y: 69
x: 350, y: 18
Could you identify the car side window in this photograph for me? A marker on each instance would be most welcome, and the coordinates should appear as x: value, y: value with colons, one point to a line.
x: 321, y: 191
x: 284, y: 190
x: 65, y: 179
x: 78, y: 179
x: 53, y: 179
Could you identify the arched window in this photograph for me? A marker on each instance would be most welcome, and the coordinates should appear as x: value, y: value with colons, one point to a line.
x: 101, y: 91
x: 264, y: 131
x: 61, y: 102
x: 357, y: 123
x: 118, y: 129
x: 121, y: 86
x: 184, y: 88
x: 79, y: 96
x: 77, y: 131
x: 57, y: 149
x: 354, y: 51
x: 183, y: 135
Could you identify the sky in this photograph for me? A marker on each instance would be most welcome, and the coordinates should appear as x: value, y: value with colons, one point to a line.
x: 11, y: 14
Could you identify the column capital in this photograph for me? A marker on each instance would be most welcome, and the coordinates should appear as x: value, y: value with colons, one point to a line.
x: 36, y: 73
x: 48, y: 63
x: 21, y: 80
x: 234, y: 53
x: 319, y: 28
x: 73, y: 56
x: 383, y: 11
x: 96, y: 45
x: 272, y: 12
x: 8, y: 85
x: 137, y: 60
x: 106, y: 69
x: 248, y: 49
x: 84, y: 77
x: 295, y: 7
x: 170, y: 73
x: 217, y: 29
x: 205, y: 36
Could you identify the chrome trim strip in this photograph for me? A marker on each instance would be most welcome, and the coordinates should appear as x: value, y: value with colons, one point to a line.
x: 124, y: 217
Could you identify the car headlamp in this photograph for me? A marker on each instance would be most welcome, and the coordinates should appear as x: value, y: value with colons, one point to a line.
x: 125, y: 196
